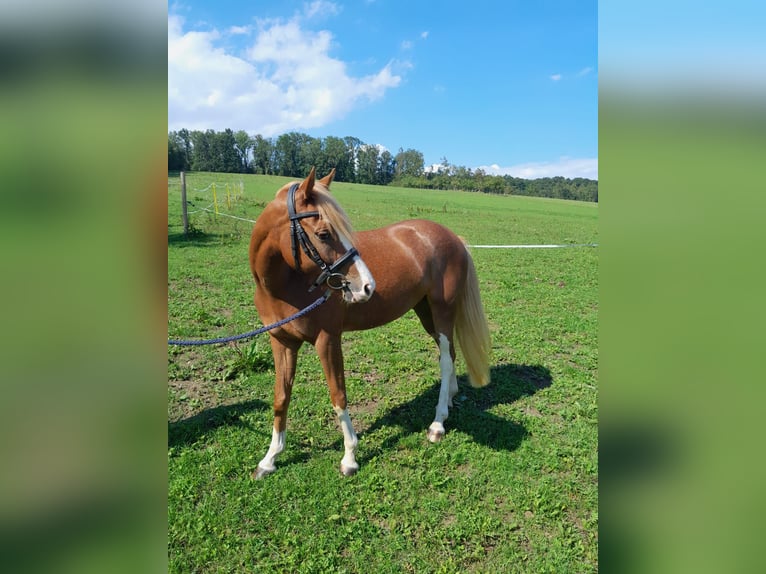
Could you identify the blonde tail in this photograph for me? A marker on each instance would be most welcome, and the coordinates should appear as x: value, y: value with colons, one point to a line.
x: 472, y: 330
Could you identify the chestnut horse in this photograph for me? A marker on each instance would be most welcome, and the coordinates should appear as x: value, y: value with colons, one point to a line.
x: 304, y: 240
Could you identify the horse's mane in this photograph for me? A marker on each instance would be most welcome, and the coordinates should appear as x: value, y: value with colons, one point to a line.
x: 331, y: 211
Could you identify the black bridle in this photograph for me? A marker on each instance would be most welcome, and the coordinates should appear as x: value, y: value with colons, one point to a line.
x: 329, y: 274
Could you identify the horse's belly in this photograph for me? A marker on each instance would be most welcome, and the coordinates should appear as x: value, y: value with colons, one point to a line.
x: 379, y: 310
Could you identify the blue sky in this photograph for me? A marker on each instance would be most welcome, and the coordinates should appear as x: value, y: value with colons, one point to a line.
x: 509, y: 86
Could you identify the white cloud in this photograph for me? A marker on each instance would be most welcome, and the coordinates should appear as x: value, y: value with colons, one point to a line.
x: 320, y: 7
x: 380, y: 147
x: 565, y: 167
x: 237, y: 30
x: 406, y: 45
x: 424, y: 34
x: 285, y: 79
x: 585, y: 71
x: 555, y: 77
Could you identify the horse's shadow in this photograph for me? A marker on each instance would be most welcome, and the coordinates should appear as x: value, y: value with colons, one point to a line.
x: 470, y: 412
x: 189, y: 430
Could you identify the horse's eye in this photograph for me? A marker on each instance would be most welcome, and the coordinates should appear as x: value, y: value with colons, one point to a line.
x: 323, y: 235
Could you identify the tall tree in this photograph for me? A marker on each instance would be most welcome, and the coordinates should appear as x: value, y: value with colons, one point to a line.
x: 367, y: 170
x: 310, y: 154
x: 336, y: 156
x: 263, y: 155
x: 186, y: 143
x: 288, y: 154
x: 176, y: 153
x: 226, y: 156
x: 243, y: 145
x: 352, y: 147
x: 409, y: 163
x: 386, y: 167
x: 202, y: 150
x: 444, y: 166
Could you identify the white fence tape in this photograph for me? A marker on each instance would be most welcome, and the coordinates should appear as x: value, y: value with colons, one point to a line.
x: 218, y: 184
x: 225, y: 214
x: 533, y: 246
x: 200, y: 209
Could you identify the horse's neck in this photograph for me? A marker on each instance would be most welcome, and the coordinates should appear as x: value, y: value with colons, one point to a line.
x: 277, y: 276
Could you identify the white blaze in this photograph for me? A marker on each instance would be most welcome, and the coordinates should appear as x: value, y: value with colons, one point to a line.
x: 364, y: 289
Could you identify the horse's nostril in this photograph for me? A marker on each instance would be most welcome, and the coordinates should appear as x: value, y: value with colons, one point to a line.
x: 367, y: 289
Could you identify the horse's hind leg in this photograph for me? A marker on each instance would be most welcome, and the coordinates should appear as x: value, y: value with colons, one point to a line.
x: 441, y: 330
x: 285, y: 359
x: 447, y: 389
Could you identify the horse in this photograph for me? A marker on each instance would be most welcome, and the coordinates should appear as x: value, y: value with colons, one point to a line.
x: 303, y: 240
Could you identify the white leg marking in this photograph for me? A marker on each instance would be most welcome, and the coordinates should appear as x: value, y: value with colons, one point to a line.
x: 348, y: 465
x: 277, y: 446
x: 447, y: 369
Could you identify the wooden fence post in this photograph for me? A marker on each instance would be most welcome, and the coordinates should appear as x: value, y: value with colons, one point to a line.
x: 184, y: 215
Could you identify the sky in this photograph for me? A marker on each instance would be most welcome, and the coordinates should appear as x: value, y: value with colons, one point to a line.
x: 510, y: 87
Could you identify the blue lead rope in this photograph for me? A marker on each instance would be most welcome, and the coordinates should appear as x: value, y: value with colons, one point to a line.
x: 220, y: 340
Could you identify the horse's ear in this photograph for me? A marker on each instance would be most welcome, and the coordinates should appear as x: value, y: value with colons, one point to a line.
x: 327, y: 180
x: 306, y: 188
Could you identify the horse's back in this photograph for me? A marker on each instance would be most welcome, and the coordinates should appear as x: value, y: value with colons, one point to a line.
x: 409, y: 260
x: 421, y: 237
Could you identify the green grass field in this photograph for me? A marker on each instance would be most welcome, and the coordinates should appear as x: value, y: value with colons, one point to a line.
x: 511, y: 488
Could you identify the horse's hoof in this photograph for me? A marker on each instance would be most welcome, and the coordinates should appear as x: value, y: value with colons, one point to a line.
x: 348, y: 470
x: 434, y: 436
x: 260, y: 473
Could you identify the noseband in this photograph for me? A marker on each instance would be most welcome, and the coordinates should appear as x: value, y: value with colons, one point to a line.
x: 329, y: 274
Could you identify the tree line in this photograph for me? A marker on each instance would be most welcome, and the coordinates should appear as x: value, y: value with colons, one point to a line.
x: 293, y: 154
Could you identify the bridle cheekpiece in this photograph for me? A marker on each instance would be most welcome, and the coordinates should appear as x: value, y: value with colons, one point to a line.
x: 298, y: 236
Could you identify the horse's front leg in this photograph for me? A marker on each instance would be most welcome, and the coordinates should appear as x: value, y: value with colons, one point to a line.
x: 285, y: 359
x: 331, y: 355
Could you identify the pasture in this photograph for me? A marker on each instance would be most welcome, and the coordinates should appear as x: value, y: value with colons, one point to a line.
x: 511, y: 488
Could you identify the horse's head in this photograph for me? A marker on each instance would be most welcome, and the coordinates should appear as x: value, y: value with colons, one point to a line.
x: 322, y: 240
